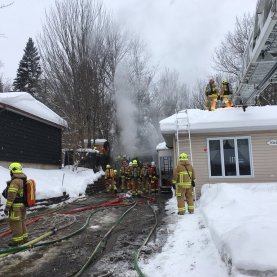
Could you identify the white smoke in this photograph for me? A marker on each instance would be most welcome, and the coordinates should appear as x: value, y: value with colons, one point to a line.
x: 126, y: 110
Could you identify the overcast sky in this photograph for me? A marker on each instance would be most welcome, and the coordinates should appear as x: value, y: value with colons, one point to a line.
x: 180, y: 34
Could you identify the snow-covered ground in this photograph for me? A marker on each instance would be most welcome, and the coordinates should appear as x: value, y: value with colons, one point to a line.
x: 52, y: 183
x: 233, y: 229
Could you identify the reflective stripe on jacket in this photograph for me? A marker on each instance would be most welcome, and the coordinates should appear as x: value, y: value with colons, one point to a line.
x: 183, y: 174
x: 15, y: 191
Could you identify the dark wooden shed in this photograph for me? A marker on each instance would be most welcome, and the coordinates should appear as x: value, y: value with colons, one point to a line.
x: 30, y: 132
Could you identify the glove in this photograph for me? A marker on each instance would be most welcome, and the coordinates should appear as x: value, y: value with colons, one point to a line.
x: 6, y: 211
x: 193, y: 184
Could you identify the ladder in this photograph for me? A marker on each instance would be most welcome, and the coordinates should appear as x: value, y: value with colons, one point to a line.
x: 186, y: 141
x: 186, y: 132
x: 259, y: 64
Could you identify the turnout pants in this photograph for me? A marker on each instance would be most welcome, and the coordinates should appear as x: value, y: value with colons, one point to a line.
x: 123, y: 183
x: 227, y: 101
x: 182, y: 193
x: 17, y: 218
x: 211, y: 102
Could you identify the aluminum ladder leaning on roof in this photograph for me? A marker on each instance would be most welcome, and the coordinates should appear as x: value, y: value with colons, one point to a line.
x: 187, y: 141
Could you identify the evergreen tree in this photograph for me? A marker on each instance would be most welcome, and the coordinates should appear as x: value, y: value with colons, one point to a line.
x: 29, y: 70
x: 1, y: 85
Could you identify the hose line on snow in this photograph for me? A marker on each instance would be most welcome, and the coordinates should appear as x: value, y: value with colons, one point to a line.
x: 31, y: 244
x: 102, y: 240
x: 144, y: 243
x: 28, y: 245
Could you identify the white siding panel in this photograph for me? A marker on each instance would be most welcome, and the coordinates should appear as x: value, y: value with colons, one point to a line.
x: 264, y: 157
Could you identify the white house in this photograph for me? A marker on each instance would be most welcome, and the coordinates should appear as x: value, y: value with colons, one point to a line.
x: 226, y: 145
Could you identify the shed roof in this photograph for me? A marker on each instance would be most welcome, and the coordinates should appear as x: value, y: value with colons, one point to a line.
x: 24, y: 103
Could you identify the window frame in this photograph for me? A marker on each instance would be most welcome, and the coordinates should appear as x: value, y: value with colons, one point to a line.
x: 235, y: 138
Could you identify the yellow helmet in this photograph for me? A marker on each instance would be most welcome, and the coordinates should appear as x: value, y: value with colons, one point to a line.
x: 224, y: 82
x: 15, y: 167
x: 183, y: 157
x: 115, y: 171
x: 134, y: 162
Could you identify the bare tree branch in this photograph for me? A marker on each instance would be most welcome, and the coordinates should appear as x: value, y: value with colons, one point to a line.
x: 228, y: 56
x: 80, y: 49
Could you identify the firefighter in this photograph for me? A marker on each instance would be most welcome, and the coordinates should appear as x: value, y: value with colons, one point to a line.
x: 128, y: 177
x: 226, y: 93
x: 183, y: 175
x: 135, y: 178
x: 110, y: 179
x: 15, y: 207
x: 114, y: 187
x: 123, y: 175
x: 145, y: 178
x: 212, y: 94
x: 153, y: 173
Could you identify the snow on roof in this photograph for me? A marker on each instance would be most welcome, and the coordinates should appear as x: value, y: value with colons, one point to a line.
x: 26, y: 103
x: 161, y: 146
x: 222, y: 120
x: 97, y: 141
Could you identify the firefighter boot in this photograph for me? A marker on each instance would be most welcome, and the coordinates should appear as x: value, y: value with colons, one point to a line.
x: 15, y: 243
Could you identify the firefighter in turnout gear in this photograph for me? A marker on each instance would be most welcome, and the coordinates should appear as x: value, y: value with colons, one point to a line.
x: 153, y: 173
x: 145, y: 178
x: 212, y: 94
x: 15, y: 207
x: 128, y: 177
x: 183, y: 175
x: 114, y: 187
x: 226, y: 93
x: 135, y: 177
x: 123, y: 175
x: 110, y: 179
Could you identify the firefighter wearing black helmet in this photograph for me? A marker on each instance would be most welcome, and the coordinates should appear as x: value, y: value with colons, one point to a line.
x: 226, y: 94
x: 15, y: 207
x: 212, y: 94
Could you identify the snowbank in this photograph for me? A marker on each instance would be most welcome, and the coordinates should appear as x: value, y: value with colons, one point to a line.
x: 242, y: 221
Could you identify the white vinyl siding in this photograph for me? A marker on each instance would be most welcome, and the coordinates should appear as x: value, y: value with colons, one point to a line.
x: 264, y: 157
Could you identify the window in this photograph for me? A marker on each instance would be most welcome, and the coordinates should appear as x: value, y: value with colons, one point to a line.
x: 166, y: 165
x: 230, y: 157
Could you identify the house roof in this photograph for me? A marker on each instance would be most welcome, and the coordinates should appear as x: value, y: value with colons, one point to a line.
x: 255, y: 118
x: 24, y: 103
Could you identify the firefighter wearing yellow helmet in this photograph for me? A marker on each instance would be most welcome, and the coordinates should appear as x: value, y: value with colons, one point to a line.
x: 135, y: 178
x: 15, y: 207
x: 183, y: 175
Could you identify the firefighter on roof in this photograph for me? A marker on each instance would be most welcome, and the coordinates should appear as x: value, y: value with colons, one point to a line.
x: 15, y: 207
x: 212, y: 94
x: 183, y: 176
x: 226, y: 93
